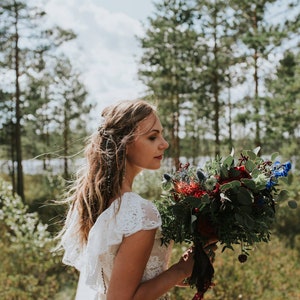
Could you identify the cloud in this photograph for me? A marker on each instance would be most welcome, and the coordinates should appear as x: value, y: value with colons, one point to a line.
x: 105, y: 50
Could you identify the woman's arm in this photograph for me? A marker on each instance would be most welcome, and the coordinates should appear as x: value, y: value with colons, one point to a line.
x: 129, y: 266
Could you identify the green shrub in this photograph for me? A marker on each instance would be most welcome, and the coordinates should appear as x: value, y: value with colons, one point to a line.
x: 29, y: 269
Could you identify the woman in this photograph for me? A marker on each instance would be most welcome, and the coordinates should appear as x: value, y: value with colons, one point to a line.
x: 112, y: 234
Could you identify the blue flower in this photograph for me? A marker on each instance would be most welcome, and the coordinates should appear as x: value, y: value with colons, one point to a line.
x: 278, y: 170
x: 281, y: 170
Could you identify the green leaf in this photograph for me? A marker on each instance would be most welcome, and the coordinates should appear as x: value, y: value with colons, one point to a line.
x: 245, y: 220
x: 250, y: 154
x: 205, y: 199
x: 246, y: 209
x: 274, y: 155
x: 239, y: 218
x: 227, y: 247
x: 230, y: 185
x: 249, y: 222
x: 195, y: 202
x: 193, y: 218
x: 256, y: 150
x: 283, y: 195
x: 176, y: 209
x: 255, y: 172
x: 228, y: 162
x: 223, y: 172
x: 292, y: 204
x: 283, y: 179
x: 249, y: 183
x: 244, y: 196
x: 250, y: 165
x: 234, y: 172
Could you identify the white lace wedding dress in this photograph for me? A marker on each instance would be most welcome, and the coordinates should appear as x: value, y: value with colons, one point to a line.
x: 95, y: 261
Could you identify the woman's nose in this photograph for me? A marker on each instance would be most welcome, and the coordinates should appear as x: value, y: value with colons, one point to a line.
x: 164, y: 144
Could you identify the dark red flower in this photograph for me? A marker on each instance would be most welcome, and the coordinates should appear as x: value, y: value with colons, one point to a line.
x: 242, y: 173
x: 206, y: 228
x: 242, y: 258
x: 198, y: 296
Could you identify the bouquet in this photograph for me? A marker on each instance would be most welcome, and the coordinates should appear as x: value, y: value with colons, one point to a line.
x: 232, y: 201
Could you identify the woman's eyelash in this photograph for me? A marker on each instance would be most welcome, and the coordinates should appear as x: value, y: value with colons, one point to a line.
x: 152, y: 138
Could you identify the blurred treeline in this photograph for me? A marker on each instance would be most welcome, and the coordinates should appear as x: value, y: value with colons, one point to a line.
x: 224, y: 74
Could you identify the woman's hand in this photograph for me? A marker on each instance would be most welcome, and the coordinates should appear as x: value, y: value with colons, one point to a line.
x: 186, y: 262
x: 186, y: 265
x: 210, y: 249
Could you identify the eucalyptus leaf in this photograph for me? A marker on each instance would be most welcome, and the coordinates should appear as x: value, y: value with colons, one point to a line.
x: 255, y: 172
x: 246, y: 209
x: 274, y: 156
x: 193, y: 218
x: 228, y: 162
x: 283, y: 195
x: 235, y: 173
x: 292, y: 204
x: 251, y: 154
x: 239, y: 218
x: 290, y: 178
x: 283, y: 179
x: 230, y: 185
x: 249, y: 183
x: 256, y: 150
x: 250, y: 165
x: 227, y: 247
x: 177, y: 209
x: 248, y: 221
x: 244, y: 197
x: 194, y: 202
x: 232, y: 152
x: 223, y: 172
x: 205, y: 199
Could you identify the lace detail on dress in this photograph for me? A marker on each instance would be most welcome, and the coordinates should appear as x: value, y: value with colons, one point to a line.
x: 70, y: 241
x: 105, y: 237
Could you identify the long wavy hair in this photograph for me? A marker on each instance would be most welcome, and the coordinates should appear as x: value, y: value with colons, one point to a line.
x: 100, y: 180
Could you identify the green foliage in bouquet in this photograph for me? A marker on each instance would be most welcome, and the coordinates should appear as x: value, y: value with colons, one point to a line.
x: 233, y: 201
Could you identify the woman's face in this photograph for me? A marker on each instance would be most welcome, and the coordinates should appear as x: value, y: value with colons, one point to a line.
x: 147, y: 149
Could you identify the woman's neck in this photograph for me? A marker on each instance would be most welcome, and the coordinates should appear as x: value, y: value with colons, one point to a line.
x: 126, y: 185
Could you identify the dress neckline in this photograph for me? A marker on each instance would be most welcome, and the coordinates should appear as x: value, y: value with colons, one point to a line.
x: 123, y: 195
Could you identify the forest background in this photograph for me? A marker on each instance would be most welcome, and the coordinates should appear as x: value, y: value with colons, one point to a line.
x: 224, y: 75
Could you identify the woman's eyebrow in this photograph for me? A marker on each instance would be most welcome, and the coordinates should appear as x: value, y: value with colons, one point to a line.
x: 156, y: 130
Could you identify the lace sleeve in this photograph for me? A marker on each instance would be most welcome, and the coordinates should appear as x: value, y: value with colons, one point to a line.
x: 136, y: 214
x: 73, y: 255
x: 115, y: 223
x: 133, y: 215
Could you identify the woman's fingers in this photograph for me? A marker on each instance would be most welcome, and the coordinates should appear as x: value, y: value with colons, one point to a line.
x: 210, y: 251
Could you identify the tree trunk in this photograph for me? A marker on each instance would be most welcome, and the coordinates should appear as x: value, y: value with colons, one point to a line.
x: 256, y: 96
x: 13, y: 159
x: 230, y: 141
x: 66, y: 150
x: 176, y: 133
x: 20, y: 183
x: 216, y: 93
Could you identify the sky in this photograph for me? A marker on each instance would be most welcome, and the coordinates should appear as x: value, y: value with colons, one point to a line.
x: 106, y: 50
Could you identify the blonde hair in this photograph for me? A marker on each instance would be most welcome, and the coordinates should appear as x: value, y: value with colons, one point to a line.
x: 101, y: 179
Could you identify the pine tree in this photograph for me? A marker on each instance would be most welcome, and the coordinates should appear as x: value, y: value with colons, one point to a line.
x: 262, y: 35
x: 282, y: 107
x: 170, y: 52
x: 23, y: 38
x: 70, y: 106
